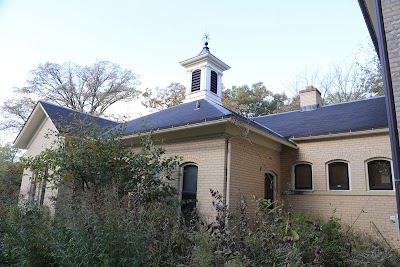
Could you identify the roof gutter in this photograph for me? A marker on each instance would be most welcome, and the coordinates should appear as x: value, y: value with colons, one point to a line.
x: 342, y: 134
x: 270, y: 135
x: 214, y: 122
x: 181, y: 127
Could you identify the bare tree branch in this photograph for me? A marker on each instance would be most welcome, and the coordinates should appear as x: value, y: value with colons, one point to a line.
x: 92, y: 89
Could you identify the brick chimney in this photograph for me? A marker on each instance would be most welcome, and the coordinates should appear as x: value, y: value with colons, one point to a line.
x: 310, y: 98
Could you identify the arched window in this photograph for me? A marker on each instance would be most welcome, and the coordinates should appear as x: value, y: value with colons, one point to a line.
x: 338, y: 175
x: 379, y: 174
x: 269, y: 186
x: 214, y: 82
x: 303, y: 176
x: 196, y: 76
x: 189, y: 187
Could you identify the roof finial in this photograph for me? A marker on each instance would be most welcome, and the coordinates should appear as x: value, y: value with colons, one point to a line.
x: 206, y: 38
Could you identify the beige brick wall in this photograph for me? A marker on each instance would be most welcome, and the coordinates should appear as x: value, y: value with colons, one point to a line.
x: 41, y: 140
x: 209, y: 154
x: 249, y: 163
x: 358, y: 206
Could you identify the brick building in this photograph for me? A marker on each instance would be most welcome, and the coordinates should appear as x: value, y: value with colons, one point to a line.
x: 326, y: 160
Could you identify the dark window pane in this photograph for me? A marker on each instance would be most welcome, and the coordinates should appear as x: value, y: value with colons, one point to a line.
x: 189, y: 188
x: 303, y: 176
x: 338, y: 176
x: 380, y: 175
x: 196, y: 76
x: 269, y: 186
x: 190, y: 179
x: 214, y: 79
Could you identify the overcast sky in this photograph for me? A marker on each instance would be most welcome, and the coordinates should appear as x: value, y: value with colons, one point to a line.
x: 265, y: 40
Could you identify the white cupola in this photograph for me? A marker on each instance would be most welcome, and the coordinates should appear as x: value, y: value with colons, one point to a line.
x: 204, y: 80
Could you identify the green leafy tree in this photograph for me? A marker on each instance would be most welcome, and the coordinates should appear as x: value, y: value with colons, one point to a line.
x: 10, y: 174
x: 91, y: 89
x: 88, y: 160
x: 371, y: 72
x: 162, y: 98
x: 254, y: 100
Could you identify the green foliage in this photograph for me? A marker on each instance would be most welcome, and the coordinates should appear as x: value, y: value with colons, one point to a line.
x: 10, y: 175
x: 371, y: 71
x: 105, y: 230
x: 254, y: 101
x: 86, y: 160
x: 330, y: 243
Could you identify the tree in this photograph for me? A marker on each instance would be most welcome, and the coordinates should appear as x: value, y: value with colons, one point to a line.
x: 10, y: 174
x: 371, y: 71
x: 78, y: 160
x: 344, y: 81
x: 254, y: 101
x: 91, y: 89
x: 162, y: 98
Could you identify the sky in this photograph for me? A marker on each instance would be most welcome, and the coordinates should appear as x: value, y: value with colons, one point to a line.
x: 261, y: 40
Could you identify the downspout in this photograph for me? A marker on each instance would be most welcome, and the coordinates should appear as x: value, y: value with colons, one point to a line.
x: 389, y: 96
x: 228, y: 172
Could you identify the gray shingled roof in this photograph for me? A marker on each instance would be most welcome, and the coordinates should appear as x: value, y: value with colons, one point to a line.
x: 184, y: 114
x: 350, y: 116
x: 66, y: 118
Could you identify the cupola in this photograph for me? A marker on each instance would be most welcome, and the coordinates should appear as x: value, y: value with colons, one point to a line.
x: 204, y: 76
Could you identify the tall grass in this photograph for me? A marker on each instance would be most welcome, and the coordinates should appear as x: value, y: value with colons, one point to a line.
x: 104, y: 230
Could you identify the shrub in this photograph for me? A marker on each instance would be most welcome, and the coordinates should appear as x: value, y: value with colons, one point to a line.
x: 105, y: 230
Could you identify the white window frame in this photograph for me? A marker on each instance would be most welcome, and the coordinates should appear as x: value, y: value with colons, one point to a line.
x: 294, y: 176
x: 327, y: 175
x: 367, y: 175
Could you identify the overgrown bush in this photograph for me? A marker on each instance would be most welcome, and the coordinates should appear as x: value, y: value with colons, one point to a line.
x: 105, y: 230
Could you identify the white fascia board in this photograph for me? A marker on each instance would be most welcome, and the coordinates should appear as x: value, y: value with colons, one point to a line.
x: 24, y: 133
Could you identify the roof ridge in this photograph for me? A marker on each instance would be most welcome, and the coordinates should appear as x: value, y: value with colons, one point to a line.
x: 324, y: 106
x: 221, y: 108
x: 77, y: 111
x: 353, y: 101
x: 247, y: 119
x: 268, y: 115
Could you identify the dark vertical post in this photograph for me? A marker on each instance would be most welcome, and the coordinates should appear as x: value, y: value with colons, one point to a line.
x: 389, y: 96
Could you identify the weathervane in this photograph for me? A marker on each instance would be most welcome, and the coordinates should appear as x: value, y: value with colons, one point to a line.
x: 206, y: 38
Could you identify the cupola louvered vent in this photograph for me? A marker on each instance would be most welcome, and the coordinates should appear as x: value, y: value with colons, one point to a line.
x: 196, y: 75
x: 214, y: 82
